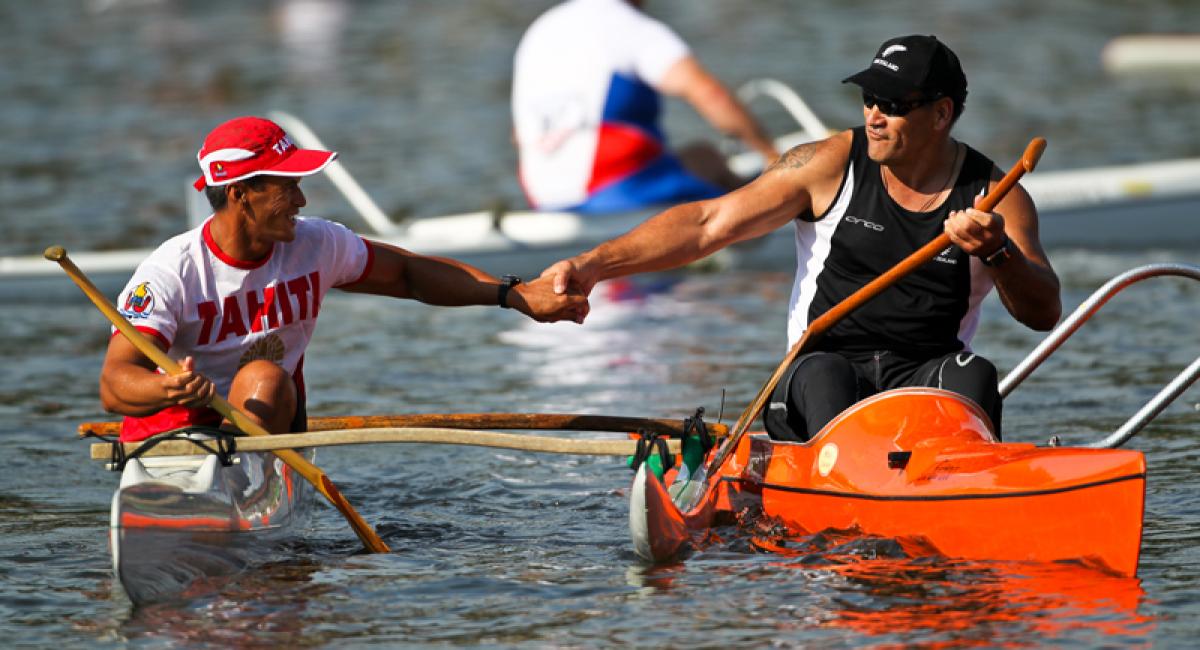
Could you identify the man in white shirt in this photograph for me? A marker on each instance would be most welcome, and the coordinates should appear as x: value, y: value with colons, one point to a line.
x: 237, y: 298
x: 587, y: 80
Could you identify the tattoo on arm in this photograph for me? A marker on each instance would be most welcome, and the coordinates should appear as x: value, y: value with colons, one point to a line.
x: 796, y: 157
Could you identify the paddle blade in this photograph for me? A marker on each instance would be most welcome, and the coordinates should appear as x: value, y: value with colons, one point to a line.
x: 1033, y: 153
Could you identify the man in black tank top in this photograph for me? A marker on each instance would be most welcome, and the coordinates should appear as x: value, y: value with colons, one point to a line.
x: 860, y: 202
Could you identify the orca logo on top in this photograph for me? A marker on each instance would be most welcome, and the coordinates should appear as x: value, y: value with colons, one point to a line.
x: 946, y: 256
x: 865, y: 223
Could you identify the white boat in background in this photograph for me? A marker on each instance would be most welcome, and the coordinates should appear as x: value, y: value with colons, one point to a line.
x: 178, y: 521
x: 1153, y: 53
x: 1149, y: 205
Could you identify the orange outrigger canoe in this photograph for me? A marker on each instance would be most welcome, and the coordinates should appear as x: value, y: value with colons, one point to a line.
x: 917, y: 463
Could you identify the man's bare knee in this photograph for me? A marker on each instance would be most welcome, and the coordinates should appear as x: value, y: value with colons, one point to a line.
x: 265, y: 392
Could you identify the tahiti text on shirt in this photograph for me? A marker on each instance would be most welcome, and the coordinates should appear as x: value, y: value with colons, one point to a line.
x: 280, y: 304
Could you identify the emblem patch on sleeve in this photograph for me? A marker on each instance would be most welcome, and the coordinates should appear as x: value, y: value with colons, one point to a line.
x: 139, y: 302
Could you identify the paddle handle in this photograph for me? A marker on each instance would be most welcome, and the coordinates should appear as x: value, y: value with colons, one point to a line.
x: 1028, y: 161
x: 310, y: 472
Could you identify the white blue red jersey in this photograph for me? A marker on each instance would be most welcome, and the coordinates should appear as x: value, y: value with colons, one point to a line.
x: 586, y: 110
x: 223, y: 312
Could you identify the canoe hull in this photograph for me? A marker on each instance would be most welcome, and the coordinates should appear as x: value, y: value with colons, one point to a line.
x: 179, y: 522
x: 923, y: 464
x: 1098, y: 523
x: 660, y: 530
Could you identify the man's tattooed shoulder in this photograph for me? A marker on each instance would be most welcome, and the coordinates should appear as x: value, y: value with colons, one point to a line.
x: 796, y: 157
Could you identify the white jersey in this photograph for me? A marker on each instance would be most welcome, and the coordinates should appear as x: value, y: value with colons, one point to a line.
x: 585, y: 101
x: 224, y: 312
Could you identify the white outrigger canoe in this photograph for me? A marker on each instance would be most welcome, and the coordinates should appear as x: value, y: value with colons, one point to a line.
x: 1091, y: 207
x: 191, y: 509
x: 179, y: 521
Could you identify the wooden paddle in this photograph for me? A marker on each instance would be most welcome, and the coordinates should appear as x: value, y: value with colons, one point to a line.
x: 873, y: 288
x: 541, y: 444
x: 528, y: 421
x: 310, y: 472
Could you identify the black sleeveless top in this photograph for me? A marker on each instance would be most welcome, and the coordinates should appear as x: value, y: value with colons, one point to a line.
x: 865, y: 233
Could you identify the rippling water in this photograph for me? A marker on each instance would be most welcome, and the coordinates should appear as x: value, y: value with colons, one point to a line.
x: 105, y: 104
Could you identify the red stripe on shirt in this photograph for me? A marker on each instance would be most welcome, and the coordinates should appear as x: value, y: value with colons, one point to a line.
x: 211, y: 243
x: 621, y: 150
x: 151, y: 332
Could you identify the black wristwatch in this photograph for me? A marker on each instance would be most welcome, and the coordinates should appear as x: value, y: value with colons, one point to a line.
x: 1002, y: 254
x: 507, y: 282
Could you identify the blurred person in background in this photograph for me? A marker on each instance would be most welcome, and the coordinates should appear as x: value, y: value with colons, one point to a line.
x: 586, y: 100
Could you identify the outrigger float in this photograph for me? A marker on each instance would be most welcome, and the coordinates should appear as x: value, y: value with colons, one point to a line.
x: 925, y: 463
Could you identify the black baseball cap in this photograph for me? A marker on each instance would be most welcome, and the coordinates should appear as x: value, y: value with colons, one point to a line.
x: 913, y: 63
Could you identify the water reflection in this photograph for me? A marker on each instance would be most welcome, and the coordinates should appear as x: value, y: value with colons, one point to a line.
x: 267, y: 607
x: 981, y: 603
x: 890, y: 585
x: 892, y: 591
x: 660, y: 344
x: 624, y: 344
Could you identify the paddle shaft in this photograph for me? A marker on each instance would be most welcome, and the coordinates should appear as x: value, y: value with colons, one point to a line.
x: 310, y: 472
x: 541, y: 444
x: 873, y: 288
x: 528, y: 421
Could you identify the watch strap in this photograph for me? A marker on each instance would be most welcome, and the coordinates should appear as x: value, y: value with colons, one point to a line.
x: 1000, y: 256
x: 506, y: 283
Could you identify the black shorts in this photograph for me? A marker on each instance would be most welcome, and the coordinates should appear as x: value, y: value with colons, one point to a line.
x: 819, y: 385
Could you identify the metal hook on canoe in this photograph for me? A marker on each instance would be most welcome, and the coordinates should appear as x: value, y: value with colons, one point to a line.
x: 648, y: 443
x: 224, y: 448
x: 695, y: 424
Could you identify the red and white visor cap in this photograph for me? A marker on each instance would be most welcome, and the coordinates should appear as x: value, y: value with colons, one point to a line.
x: 252, y: 146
